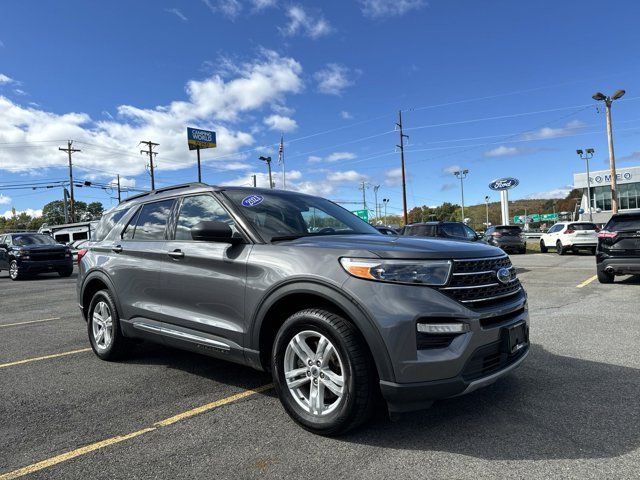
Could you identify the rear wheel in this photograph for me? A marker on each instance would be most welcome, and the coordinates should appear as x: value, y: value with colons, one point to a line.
x: 559, y: 248
x: 103, y: 326
x: 523, y: 250
x: 604, y: 277
x: 543, y: 247
x: 66, y: 272
x: 322, y: 372
x: 593, y: 250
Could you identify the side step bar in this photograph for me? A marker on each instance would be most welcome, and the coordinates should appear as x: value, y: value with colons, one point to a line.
x: 180, y: 335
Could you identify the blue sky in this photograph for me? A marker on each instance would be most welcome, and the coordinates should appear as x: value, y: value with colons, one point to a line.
x: 498, y: 87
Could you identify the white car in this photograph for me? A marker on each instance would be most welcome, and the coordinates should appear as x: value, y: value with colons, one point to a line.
x: 574, y: 236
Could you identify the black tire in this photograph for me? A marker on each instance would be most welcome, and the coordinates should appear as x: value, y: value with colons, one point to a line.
x: 523, y: 250
x: 119, y: 345
x: 604, y: 277
x: 543, y: 247
x: 560, y: 250
x: 593, y: 250
x: 358, y: 400
x: 14, y: 272
x: 66, y: 273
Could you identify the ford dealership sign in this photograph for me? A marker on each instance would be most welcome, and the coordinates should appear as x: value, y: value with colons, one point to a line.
x: 504, y: 183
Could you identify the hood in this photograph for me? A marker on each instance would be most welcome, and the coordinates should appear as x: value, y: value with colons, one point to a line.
x: 387, y: 246
x: 35, y: 248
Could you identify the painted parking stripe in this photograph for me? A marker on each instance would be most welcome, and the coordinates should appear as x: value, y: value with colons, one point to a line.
x: 587, y: 282
x: 49, y: 462
x: 45, y: 357
x: 29, y: 322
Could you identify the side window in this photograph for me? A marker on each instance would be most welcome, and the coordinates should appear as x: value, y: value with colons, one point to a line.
x: 453, y: 230
x: 200, y: 208
x: 469, y: 233
x: 152, y: 220
x: 107, y: 223
x: 127, y: 233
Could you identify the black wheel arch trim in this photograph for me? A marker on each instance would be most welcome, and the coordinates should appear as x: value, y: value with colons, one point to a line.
x: 102, y: 276
x: 332, y: 293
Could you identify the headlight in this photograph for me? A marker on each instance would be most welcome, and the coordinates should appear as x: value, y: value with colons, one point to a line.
x: 423, y: 272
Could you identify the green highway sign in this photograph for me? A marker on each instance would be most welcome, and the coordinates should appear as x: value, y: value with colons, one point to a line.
x: 535, y: 218
x: 363, y: 214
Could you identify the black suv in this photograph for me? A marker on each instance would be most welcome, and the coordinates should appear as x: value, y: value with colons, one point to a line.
x: 448, y: 230
x: 618, y: 251
x: 508, y: 237
x: 24, y: 254
x: 298, y: 286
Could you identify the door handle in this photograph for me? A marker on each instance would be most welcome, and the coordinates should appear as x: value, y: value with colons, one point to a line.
x: 117, y: 248
x: 176, y: 254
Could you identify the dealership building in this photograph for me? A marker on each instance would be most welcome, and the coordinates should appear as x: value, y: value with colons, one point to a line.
x: 628, y: 180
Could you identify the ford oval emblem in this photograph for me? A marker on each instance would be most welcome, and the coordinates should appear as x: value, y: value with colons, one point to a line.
x: 504, y: 275
x: 504, y: 183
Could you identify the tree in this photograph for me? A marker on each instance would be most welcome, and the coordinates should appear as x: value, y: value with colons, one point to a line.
x: 95, y: 210
x: 53, y: 212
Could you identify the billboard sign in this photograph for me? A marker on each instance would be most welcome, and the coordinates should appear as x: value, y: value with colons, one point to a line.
x: 198, y: 138
x: 504, y: 183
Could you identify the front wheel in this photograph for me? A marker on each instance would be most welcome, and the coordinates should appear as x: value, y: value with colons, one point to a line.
x: 14, y: 271
x: 323, y: 372
x: 66, y: 272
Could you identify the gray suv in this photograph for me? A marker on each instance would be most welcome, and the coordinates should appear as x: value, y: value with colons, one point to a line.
x: 298, y: 286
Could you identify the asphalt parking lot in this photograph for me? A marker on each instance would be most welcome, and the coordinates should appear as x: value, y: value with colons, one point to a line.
x: 571, y: 410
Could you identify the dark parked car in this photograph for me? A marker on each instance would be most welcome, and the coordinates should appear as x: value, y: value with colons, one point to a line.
x: 298, y: 286
x: 618, y: 251
x: 507, y: 237
x: 24, y: 254
x: 448, y: 230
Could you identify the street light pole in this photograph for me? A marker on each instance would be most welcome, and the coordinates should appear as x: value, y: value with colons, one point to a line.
x: 268, y: 160
x: 486, y: 201
x: 375, y: 196
x: 587, y: 155
x: 612, y: 160
x: 462, y: 174
x: 385, y: 201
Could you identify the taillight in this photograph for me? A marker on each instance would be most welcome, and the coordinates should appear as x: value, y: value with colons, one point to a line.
x: 570, y: 230
x: 606, y: 234
x: 81, y: 254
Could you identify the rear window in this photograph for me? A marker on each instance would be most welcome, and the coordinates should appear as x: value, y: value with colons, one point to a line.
x: 623, y: 222
x: 509, y: 230
x: 583, y: 226
x: 107, y: 223
x: 420, y: 231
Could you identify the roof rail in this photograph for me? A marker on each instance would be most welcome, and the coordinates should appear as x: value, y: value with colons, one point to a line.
x: 164, y: 189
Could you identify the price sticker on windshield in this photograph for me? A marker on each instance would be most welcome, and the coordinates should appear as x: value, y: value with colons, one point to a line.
x: 252, y: 200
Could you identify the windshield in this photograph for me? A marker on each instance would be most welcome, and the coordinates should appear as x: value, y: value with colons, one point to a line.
x: 287, y: 214
x: 32, y: 239
x: 508, y: 230
x: 623, y: 222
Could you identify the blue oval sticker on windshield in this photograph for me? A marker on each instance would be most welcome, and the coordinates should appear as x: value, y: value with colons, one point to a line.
x: 252, y: 200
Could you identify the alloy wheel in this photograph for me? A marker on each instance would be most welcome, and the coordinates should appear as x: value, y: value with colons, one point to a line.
x: 13, y: 270
x: 102, y: 326
x: 314, y: 373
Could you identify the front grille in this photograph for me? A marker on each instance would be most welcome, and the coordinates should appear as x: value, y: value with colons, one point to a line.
x: 475, y: 282
x: 46, y: 255
x: 488, y: 360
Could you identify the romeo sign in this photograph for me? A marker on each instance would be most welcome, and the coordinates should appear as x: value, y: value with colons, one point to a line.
x: 504, y: 183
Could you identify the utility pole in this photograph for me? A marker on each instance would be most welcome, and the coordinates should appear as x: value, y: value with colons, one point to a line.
x: 363, y: 187
x: 404, y: 180
x: 71, y: 151
x: 65, y: 196
x: 119, y: 199
x: 268, y: 160
x: 587, y: 155
x: 462, y: 174
x: 151, y: 153
x: 255, y: 180
x: 385, y: 201
x: 612, y: 160
x: 486, y: 201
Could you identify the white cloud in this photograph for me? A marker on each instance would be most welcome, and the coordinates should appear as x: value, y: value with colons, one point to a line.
x: 548, y: 132
x: 451, y: 169
x: 229, y: 8
x: 19, y: 91
x: 280, y: 123
x: 262, y: 4
x: 124, y: 182
x: 213, y: 103
x: 345, y: 115
x: 5, y: 79
x: 333, y: 79
x: 346, y: 176
x: 333, y: 157
x: 29, y: 211
x: 4, y: 199
x: 389, y: 8
x: 302, y: 22
x: 177, y: 13
x: 504, y: 151
x: 561, y: 192
x: 393, y: 177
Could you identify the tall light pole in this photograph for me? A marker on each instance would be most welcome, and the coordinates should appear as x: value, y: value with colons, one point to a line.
x: 587, y: 155
x: 462, y: 174
x: 375, y: 196
x: 601, y: 97
x: 268, y: 160
x: 486, y: 201
x: 385, y: 201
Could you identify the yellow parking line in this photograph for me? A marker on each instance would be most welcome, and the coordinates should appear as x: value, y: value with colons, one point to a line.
x: 31, y: 321
x: 49, y: 462
x: 45, y: 357
x: 587, y: 282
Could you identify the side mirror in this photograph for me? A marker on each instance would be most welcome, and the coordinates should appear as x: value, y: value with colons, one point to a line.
x: 214, y: 232
x: 4, y: 245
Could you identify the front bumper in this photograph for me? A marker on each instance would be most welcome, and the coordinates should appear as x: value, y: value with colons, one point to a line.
x: 40, y: 266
